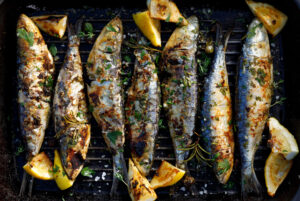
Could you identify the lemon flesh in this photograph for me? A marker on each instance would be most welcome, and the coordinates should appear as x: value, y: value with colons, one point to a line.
x: 282, y: 141
x: 273, y: 19
x: 62, y: 180
x: 276, y: 170
x: 54, y: 25
x: 166, y: 175
x: 40, y: 167
x: 148, y: 26
x: 139, y: 187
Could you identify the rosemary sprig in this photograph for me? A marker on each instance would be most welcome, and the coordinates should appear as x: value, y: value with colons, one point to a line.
x: 120, y: 177
x: 135, y: 45
x: 280, y: 101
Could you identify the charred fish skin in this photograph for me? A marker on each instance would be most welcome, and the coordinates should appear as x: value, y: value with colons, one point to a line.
x: 71, y: 112
x: 179, y: 88
x: 35, y: 80
x: 142, y: 111
x: 253, y: 99
x: 217, y: 116
x: 105, y: 92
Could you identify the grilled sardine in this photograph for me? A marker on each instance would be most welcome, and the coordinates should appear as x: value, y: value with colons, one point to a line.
x: 180, y: 87
x: 106, y: 94
x: 217, y: 114
x: 70, y: 110
x: 35, y: 82
x: 253, y: 99
x: 142, y: 111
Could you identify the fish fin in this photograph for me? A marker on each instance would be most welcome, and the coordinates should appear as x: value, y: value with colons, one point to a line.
x: 119, y: 168
x: 251, y: 188
x: 226, y: 39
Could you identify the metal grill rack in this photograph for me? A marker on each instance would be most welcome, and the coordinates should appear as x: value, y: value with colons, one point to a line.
x: 99, y: 159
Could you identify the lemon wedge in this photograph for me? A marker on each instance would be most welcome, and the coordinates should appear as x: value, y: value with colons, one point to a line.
x: 165, y: 10
x: 40, y: 167
x: 276, y: 170
x: 139, y: 187
x: 282, y: 141
x: 273, y: 19
x: 149, y: 27
x: 166, y: 175
x: 62, y: 180
x: 54, y: 25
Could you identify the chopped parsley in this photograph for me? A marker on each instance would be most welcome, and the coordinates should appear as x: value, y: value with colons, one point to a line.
x: 251, y: 32
x: 87, y: 172
x: 223, y: 166
x: 54, y: 169
x: 112, y: 136
x: 53, y: 50
x: 168, y: 18
x: 111, y: 28
x: 28, y: 36
x: 91, y: 108
x: 127, y: 58
x: 161, y: 124
x: 20, y: 150
x: 179, y: 21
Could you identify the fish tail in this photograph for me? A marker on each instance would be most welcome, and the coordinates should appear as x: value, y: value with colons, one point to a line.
x: 220, y: 39
x: 119, y: 172
x: 75, y: 30
x: 251, y: 187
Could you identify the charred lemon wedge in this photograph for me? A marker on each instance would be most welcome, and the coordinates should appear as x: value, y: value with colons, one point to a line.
x: 139, y: 187
x: 276, y: 170
x: 149, y: 27
x: 282, y: 141
x: 165, y: 10
x: 62, y: 180
x: 54, y: 25
x: 40, y: 167
x: 166, y: 175
x: 273, y: 19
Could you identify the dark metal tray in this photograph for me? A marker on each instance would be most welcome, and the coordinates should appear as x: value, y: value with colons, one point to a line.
x: 99, y: 159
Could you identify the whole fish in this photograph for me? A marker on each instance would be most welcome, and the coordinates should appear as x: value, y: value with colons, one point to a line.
x: 180, y: 87
x: 217, y: 114
x: 105, y: 93
x: 142, y: 111
x: 35, y: 83
x: 70, y: 110
x: 253, y: 99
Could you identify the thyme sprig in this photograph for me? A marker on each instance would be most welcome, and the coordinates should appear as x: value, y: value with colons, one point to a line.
x: 198, y: 152
x: 136, y: 45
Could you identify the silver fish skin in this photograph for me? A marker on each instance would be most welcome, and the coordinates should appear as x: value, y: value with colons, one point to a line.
x: 142, y: 111
x: 70, y: 110
x: 35, y: 83
x: 105, y: 93
x: 179, y: 88
x: 217, y: 115
x: 253, y: 99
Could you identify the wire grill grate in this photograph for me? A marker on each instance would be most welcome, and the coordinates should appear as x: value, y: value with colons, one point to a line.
x: 99, y: 159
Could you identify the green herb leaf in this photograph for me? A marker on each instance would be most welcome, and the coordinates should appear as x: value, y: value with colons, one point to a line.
x: 88, y: 27
x: 127, y: 58
x: 54, y: 169
x: 28, y: 36
x: 179, y: 21
x: 111, y: 28
x: 20, y: 149
x: 223, y: 166
x: 168, y: 18
x: 91, y: 108
x: 120, y: 177
x: 53, y: 50
x: 112, y: 136
x: 87, y: 172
